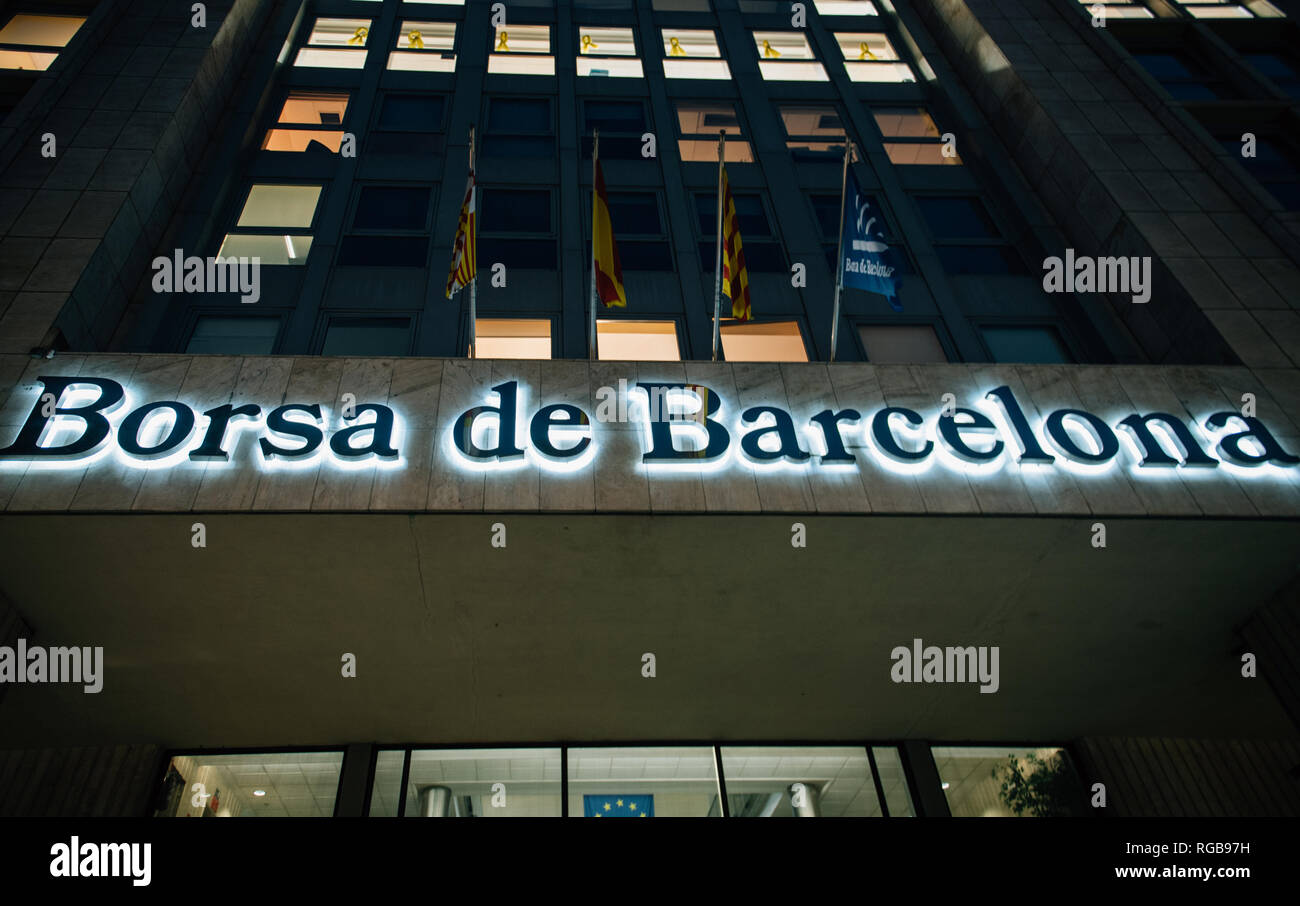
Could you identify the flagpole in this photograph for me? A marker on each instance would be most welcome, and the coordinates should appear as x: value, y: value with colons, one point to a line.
x: 473, y: 284
x: 591, y: 328
x: 839, y: 255
x: 717, y: 264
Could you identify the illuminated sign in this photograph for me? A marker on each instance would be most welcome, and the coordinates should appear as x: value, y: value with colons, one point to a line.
x: 683, y: 426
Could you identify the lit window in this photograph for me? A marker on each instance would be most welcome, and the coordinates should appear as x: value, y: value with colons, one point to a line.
x: 700, y: 124
x: 637, y: 341
x: 845, y: 7
x: 1222, y: 9
x: 1000, y: 782
x: 785, y: 56
x: 692, y: 53
x: 1120, y: 9
x: 512, y: 338
x: 267, y: 213
x: 911, y: 137
x: 815, y: 131
x: 599, y: 51
x: 233, y: 336
x: 24, y: 34
x: 256, y: 785
x: 801, y: 781
x: 910, y: 344
x: 779, y: 342
x: 869, y: 57
x: 367, y: 336
x: 316, y: 116
x: 336, y: 44
x: 522, y: 50
x: 425, y: 47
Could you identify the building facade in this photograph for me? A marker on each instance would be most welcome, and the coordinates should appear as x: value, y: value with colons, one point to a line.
x: 334, y: 565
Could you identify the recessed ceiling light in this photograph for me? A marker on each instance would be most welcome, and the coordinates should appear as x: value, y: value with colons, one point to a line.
x: 263, y: 792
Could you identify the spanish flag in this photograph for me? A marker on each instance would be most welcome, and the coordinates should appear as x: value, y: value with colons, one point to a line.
x: 464, y: 254
x: 609, y: 273
x: 735, y: 278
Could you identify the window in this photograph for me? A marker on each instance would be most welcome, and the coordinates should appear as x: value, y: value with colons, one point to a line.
x: 815, y: 131
x: 387, y: 209
x: 425, y: 47
x: 367, y: 337
x: 700, y: 124
x: 826, y: 208
x: 512, y: 338
x: 233, y: 336
x: 522, y: 50
x: 846, y: 7
x: 966, y: 239
x: 665, y: 782
x: 910, y: 344
x: 680, y: 6
x: 607, y: 52
x: 1282, y: 70
x: 1184, y: 77
x: 638, y: 229
x: 637, y: 341
x: 459, y: 783
x: 995, y: 782
x: 336, y: 44
x: 869, y: 57
x: 762, y: 252
x: 519, y: 127
x: 804, y: 781
x: 911, y: 137
x: 316, y: 117
x: 621, y: 125
x: 785, y: 56
x: 261, y: 785
x: 511, y: 220
x: 1119, y: 9
x: 26, y: 40
x: 1026, y: 345
x: 270, y: 210
x: 1222, y: 9
x: 408, y: 124
x: 1275, y: 166
x: 775, y: 342
x: 692, y: 53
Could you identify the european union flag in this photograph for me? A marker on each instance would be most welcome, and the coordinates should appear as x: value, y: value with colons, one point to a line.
x: 868, y: 262
x: 618, y: 806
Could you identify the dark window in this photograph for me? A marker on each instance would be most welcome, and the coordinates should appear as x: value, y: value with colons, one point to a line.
x: 1029, y: 345
x: 956, y: 218
x: 979, y: 259
x: 234, y: 336
x: 614, y: 116
x: 1284, y: 72
x: 538, y: 254
x: 412, y: 113
x: 1275, y: 166
x: 519, y: 115
x: 515, y: 210
x: 383, y: 251
x: 635, y: 213
x: 1183, y: 77
x: 392, y: 208
x: 826, y: 208
x: 367, y: 336
x: 749, y: 211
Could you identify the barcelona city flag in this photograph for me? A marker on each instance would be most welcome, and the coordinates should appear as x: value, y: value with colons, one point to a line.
x: 735, y: 278
x: 618, y: 806
x: 609, y: 272
x: 464, y: 256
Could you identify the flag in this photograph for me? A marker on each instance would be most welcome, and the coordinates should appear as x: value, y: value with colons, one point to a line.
x: 868, y: 262
x: 735, y: 278
x: 464, y: 255
x: 609, y: 273
x: 618, y: 806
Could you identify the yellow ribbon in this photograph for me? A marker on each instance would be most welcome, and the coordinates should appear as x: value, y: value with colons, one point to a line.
x: 415, y: 39
x: 502, y: 46
x: 865, y: 52
x: 769, y: 50
x: 588, y: 44
x: 675, y: 48
x: 359, y: 37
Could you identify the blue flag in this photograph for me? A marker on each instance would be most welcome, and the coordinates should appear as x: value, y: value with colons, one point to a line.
x: 868, y: 262
x: 618, y: 806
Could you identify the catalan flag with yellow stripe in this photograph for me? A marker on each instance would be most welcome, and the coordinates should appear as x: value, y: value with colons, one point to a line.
x: 609, y: 272
x: 464, y: 254
x: 735, y: 278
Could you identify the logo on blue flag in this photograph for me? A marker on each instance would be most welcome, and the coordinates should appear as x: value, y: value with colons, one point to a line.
x: 618, y: 806
x: 868, y: 262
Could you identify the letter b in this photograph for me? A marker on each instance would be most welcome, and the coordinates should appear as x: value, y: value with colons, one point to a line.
x: 97, y: 426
